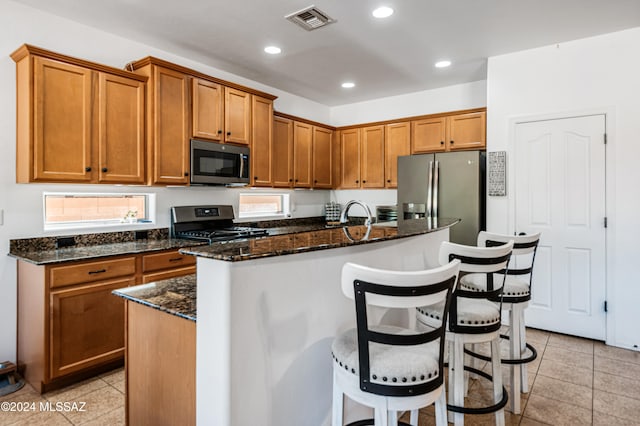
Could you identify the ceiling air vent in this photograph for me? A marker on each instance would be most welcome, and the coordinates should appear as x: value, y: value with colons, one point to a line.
x: 310, y: 18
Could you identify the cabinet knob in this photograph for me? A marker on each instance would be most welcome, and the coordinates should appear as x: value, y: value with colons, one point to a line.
x: 255, y: 178
x: 315, y: 181
x: 228, y: 133
x: 219, y: 131
x: 105, y: 170
x: 290, y: 180
x: 357, y: 181
x: 388, y: 180
x: 441, y: 142
x: 296, y: 180
x: 364, y: 181
x: 87, y: 169
x: 186, y: 173
x: 451, y: 142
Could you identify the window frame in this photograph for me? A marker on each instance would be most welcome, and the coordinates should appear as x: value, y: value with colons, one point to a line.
x: 285, y: 202
x: 150, y: 207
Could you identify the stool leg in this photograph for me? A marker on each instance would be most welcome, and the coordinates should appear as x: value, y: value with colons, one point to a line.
x: 441, y: 410
x: 414, y: 417
x: 458, y: 372
x: 451, y: 384
x: 515, y: 353
x: 524, y: 376
x: 497, y: 378
x: 338, y: 403
x: 393, y: 417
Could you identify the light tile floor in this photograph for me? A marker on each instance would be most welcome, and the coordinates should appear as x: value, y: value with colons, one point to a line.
x: 573, y: 381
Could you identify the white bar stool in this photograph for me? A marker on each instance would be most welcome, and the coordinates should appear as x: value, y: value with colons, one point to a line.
x: 515, y: 299
x: 386, y: 367
x: 474, y: 317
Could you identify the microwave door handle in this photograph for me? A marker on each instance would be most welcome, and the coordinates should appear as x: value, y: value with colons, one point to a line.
x: 436, y: 172
x: 241, y: 165
x: 429, y: 189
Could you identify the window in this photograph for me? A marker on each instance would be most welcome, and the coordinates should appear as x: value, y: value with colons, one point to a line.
x: 64, y: 210
x: 264, y: 205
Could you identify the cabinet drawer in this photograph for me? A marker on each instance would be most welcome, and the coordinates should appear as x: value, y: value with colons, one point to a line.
x: 91, y: 271
x: 172, y: 259
x: 169, y: 273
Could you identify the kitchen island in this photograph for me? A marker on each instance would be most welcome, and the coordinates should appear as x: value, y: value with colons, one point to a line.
x: 269, y: 308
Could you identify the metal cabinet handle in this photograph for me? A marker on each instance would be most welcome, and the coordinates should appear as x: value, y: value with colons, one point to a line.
x: 87, y: 169
x: 99, y: 271
x: 186, y: 173
x: 176, y: 259
x: 105, y: 170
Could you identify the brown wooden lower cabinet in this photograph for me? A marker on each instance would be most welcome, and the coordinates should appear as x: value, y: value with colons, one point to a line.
x: 160, y: 368
x: 70, y: 326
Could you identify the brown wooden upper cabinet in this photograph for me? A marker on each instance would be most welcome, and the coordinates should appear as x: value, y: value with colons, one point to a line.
x: 77, y: 121
x: 221, y: 114
x: 261, y: 141
x: 449, y: 133
x: 322, y: 152
x: 167, y: 123
x: 302, y: 149
x: 282, y: 152
x: 397, y: 142
x: 301, y: 155
x: 362, y: 154
x: 350, y: 158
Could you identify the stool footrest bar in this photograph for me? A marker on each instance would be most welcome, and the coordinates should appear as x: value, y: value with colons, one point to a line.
x: 533, y: 356
x: 481, y: 410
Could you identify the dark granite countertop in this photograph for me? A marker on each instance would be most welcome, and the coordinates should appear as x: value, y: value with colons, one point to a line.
x: 67, y: 254
x: 176, y: 296
x: 315, y: 237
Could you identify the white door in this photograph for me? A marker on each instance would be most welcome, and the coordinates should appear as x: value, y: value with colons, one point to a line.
x: 560, y: 191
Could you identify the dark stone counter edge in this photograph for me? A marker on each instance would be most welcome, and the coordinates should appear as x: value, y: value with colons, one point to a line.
x: 74, y: 254
x: 210, y: 250
x: 153, y: 305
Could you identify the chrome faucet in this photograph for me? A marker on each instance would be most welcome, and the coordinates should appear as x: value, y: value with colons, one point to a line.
x: 343, y: 215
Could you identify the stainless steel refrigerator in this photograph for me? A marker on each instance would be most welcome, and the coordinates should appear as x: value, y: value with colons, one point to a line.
x: 448, y: 184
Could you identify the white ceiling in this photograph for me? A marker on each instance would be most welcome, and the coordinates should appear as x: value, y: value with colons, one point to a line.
x: 383, y: 57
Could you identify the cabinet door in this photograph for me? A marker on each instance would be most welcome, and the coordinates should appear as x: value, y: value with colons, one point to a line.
x: 396, y: 143
x: 372, y: 160
x: 428, y: 135
x: 282, y: 158
x: 350, y: 158
x: 321, y: 157
x: 120, y: 130
x: 261, y: 140
x: 170, y: 127
x: 467, y: 131
x: 302, y: 140
x: 207, y: 110
x: 237, y: 116
x: 86, y: 326
x: 63, y: 122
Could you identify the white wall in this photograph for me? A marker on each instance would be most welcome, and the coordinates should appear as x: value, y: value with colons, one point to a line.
x: 599, y: 73
x: 22, y: 204
x: 451, y: 98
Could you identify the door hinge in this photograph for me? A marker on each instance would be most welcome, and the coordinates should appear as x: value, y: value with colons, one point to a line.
x: 606, y: 308
x: 605, y: 138
x: 606, y: 222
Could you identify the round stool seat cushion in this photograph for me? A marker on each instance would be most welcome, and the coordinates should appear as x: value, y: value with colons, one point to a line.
x: 471, y: 312
x: 389, y: 365
x: 513, y: 287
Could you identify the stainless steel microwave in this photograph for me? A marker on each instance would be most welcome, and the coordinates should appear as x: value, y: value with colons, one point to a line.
x: 214, y: 163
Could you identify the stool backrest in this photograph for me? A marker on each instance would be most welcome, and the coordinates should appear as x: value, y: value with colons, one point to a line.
x: 524, y: 250
x: 397, y: 289
x: 476, y: 260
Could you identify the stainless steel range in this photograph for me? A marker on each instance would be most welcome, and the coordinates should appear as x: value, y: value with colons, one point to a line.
x: 213, y: 223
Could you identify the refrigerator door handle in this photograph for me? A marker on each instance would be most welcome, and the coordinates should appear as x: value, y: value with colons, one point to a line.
x: 436, y: 170
x: 429, y: 190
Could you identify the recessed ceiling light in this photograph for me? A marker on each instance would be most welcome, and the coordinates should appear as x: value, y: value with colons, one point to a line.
x: 348, y: 85
x: 443, y: 64
x: 273, y: 50
x: 382, y: 12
